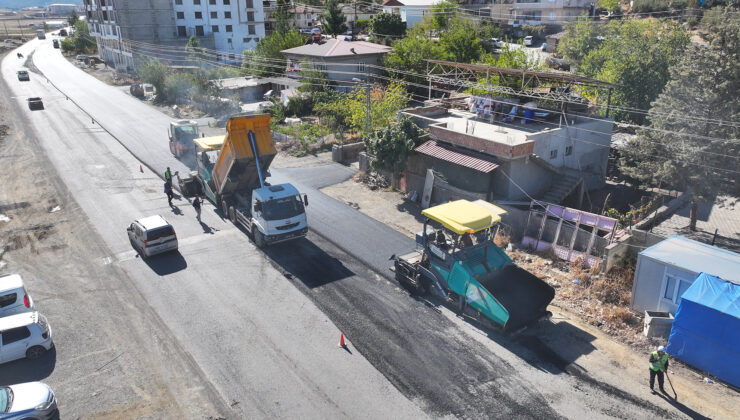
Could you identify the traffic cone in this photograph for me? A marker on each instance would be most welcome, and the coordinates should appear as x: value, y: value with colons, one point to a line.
x: 141, y: 169
x: 341, y: 341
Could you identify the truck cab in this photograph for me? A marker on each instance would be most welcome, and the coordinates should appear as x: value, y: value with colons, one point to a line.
x: 181, y: 135
x: 279, y: 212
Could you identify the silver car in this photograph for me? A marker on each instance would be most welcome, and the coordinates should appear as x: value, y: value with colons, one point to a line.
x: 32, y: 400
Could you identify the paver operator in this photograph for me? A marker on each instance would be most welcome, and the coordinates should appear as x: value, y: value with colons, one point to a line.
x: 658, y: 366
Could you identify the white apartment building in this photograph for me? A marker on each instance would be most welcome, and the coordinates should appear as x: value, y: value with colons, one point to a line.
x: 234, y: 25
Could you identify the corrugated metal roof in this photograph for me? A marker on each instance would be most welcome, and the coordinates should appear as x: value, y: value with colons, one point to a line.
x: 457, y: 156
x: 696, y: 257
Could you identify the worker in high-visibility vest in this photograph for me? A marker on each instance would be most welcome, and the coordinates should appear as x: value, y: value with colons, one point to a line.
x: 658, y: 366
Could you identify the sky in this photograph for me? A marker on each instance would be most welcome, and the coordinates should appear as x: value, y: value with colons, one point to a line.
x: 19, y: 4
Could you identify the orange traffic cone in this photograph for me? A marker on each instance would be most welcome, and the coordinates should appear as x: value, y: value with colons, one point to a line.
x: 141, y: 169
x: 341, y: 340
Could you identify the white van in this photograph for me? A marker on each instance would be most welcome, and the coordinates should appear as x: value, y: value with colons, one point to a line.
x: 13, y: 296
x: 152, y: 235
x: 24, y: 335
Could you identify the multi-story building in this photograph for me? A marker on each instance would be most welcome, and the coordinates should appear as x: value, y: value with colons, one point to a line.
x: 127, y: 31
x: 539, y: 12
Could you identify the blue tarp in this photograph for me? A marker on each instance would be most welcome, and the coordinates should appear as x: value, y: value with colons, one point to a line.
x: 706, y: 329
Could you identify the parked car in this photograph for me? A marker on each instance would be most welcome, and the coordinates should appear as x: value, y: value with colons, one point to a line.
x: 497, y: 43
x: 23, y: 75
x: 24, y: 335
x: 152, y: 235
x: 55, y: 43
x: 81, y: 58
x: 35, y: 103
x: 13, y: 296
x: 31, y: 400
x: 62, y: 32
x: 557, y: 63
x: 528, y: 40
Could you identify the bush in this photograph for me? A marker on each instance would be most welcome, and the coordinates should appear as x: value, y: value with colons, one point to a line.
x: 68, y: 45
x: 299, y: 106
x: 176, y: 87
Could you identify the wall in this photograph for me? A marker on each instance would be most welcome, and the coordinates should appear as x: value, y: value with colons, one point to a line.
x: 343, y: 74
x: 531, y: 177
x: 649, y: 284
x: 628, y: 247
x: 440, y: 132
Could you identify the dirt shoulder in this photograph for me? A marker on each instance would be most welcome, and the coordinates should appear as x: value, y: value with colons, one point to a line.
x: 113, y: 357
x: 592, y: 329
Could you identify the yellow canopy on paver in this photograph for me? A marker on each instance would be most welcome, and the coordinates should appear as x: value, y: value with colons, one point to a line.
x: 463, y: 216
x: 210, y: 143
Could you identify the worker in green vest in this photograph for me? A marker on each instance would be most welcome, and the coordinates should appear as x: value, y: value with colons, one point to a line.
x: 658, y: 366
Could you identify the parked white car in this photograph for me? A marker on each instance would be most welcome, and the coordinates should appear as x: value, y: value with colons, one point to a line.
x: 13, y: 296
x: 24, y: 335
x: 31, y: 400
x: 152, y: 235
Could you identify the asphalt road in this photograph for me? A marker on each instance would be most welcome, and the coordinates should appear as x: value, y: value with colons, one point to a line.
x: 444, y: 365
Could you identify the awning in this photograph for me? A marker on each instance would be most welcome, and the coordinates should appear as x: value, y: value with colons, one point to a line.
x: 463, y: 216
x: 461, y: 157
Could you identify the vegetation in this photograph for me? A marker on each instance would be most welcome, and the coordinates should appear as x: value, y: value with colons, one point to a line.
x: 441, y: 13
x: 384, y: 106
x: 81, y: 42
x: 460, y: 41
x: 609, y: 5
x: 333, y: 19
x: 409, y: 54
x: 72, y: 19
x: 386, y: 27
x: 259, y: 62
x: 392, y: 145
x: 154, y: 72
x: 702, y: 90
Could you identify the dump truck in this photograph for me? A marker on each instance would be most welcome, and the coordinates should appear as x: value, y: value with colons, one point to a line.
x: 457, y: 260
x: 231, y: 172
x: 181, y: 134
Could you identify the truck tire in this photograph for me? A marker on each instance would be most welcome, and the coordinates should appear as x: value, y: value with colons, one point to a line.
x: 232, y: 214
x: 225, y: 208
x: 259, y: 238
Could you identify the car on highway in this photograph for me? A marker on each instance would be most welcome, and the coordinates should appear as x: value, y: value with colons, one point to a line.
x: 55, y: 43
x: 35, y: 103
x: 13, y: 296
x: 28, y: 401
x: 152, y: 235
x: 23, y: 75
x: 62, y: 32
x: 24, y: 335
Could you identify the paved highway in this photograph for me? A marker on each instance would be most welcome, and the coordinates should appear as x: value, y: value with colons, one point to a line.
x: 259, y: 327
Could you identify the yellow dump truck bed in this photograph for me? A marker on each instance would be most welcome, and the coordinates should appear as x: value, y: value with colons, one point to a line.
x: 236, y: 167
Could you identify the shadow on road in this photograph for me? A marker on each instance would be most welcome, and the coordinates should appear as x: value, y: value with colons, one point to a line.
x: 305, y: 261
x: 25, y: 370
x: 167, y: 263
x: 683, y: 408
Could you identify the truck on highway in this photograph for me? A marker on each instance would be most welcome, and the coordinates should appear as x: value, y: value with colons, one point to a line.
x: 40, y: 34
x: 231, y: 171
x: 181, y: 135
x: 457, y: 260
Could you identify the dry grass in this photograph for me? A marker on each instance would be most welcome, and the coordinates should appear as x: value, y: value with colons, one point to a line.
x: 501, y: 239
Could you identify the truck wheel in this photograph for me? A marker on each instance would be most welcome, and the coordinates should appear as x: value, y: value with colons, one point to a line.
x: 225, y: 208
x: 232, y: 214
x: 259, y: 238
x: 35, y: 352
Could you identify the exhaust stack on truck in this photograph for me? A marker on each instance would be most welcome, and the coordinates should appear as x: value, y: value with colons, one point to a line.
x: 231, y: 172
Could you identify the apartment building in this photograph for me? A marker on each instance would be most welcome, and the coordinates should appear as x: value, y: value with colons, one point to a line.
x: 539, y: 12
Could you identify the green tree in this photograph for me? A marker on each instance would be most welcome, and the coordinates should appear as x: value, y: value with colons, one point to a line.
x: 409, y: 55
x: 386, y: 27
x: 703, y: 89
x: 316, y: 80
x: 176, y: 86
x: 609, y: 5
x: 333, y: 19
x: 580, y: 38
x: 442, y: 13
x: 283, y: 17
x: 392, y: 144
x: 154, y: 72
x: 193, y: 49
x: 460, y: 41
x: 260, y: 61
x: 72, y: 19
x: 83, y: 41
x: 384, y: 106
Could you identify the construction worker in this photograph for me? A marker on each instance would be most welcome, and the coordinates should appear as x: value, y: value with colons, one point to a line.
x: 168, y: 175
x: 168, y: 191
x: 658, y: 366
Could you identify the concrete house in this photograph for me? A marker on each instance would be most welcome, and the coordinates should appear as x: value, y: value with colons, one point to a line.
x: 343, y: 60
x: 411, y: 11
x: 665, y: 270
x: 515, y: 13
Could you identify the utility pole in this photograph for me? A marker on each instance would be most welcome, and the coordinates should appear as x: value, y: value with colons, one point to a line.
x: 7, y: 34
x: 23, y: 36
x: 368, y: 118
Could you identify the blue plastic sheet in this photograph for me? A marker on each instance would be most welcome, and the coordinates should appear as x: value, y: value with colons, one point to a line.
x: 706, y: 329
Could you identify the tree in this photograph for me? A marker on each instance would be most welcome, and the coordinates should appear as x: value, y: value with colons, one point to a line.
x: 283, y: 17
x: 72, y: 19
x: 333, y: 19
x: 441, y: 13
x: 579, y: 39
x: 703, y: 89
x: 154, y: 72
x: 409, y: 55
x: 609, y: 5
x: 391, y: 145
x: 384, y: 106
x: 193, y: 49
x: 386, y: 27
x: 258, y: 62
x: 83, y: 41
x: 460, y: 41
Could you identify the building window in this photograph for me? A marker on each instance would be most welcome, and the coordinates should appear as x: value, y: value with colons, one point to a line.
x: 211, y: 1
x: 232, y: 57
x: 228, y: 28
x: 670, y: 287
x: 229, y: 41
x: 251, y: 29
x: 553, y: 16
x: 250, y: 4
x: 181, y: 31
x: 199, y: 30
x: 250, y: 16
x: 227, y: 15
x: 360, y: 67
x: 196, y: 2
x: 675, y: 288
x: 214, y: 15
x: 257, y: 39
x: 178, y: 2
x: 245, y: 40
x: 227, y: 1
x: 214, y: 28
x: 199, y: 15
x: 568, y: 150
x: 181, y: 15
x: 553, y: 153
